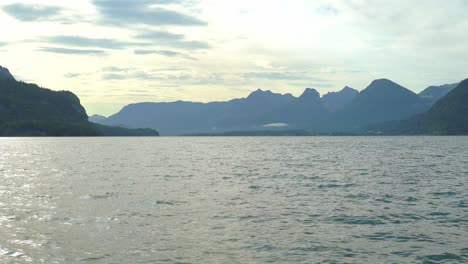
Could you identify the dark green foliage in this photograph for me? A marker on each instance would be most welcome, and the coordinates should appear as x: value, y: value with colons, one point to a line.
x: 50, y: 128
x: 23, y: 101
x: 123, y: 132
x: 28, y: 110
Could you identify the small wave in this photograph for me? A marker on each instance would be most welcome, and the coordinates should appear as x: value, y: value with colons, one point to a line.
x: 449, y: 193
x: 92, y: 259
x: 99, y: 196
x: 438, y: 214
x: 335, y: 185
x: 357, y: 220
x: 411, y: 199
x: 162, y: 202
x: 442, y: 258
x: 390, y: 236
x: 255, y: 187
x: 359, y: 196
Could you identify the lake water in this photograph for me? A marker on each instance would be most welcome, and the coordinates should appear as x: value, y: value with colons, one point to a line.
x: 234, y: 200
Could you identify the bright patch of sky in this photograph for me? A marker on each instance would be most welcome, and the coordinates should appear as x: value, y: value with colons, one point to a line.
x: 115, y: 52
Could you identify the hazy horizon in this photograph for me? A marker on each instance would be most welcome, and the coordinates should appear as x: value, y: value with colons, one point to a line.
x: 113, y: 53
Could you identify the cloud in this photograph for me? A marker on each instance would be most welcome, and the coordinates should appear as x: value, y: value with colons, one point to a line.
x: 168, y: 39
x: 274, y: 76
x: 73, y: 75
x: 167, y: 53
x: 116, y: 69
x: 72, y: 51
x: 143, y: 12
x: 113, y: 76
x: 190, y: 45
x: 127, y: 76
x: 28, y: 13
x: 91, y: 42
x: 156, y: 34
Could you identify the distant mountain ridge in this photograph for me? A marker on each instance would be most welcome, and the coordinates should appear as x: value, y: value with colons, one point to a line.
x: 96, y: 118
x: 345, y: 111
x: 434, y: 93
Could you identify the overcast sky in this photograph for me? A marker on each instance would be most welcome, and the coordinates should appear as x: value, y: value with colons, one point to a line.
x: 115, y: 52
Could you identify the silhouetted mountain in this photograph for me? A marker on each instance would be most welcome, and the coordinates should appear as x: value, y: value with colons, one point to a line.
x: 5, y: 74
x: 249, y: 112
x: 448, y: 116
x: 304, y: 111
x: 335, y: 101
x: 434, y: 93
x: 190, y: 117
x: 383, y: 100
x: 28, y: 110
x: 268, y: 98
x: 23, y: 101
x: 96, y: 118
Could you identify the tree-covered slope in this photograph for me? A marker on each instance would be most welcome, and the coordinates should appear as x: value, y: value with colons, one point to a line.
x: 448, y: 116
x: 23, y: 101
x: 29, y: 110
x: 434, y: 93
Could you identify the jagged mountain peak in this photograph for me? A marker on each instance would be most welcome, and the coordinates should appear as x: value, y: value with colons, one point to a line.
x: 349, y: 89
x: 310, y: 93
x: 335, y: 101
x: 259, y: 92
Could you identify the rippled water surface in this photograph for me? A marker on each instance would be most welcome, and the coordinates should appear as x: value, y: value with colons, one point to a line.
x: 234, y: 200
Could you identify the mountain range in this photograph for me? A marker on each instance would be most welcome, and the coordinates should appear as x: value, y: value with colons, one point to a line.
x: 384, y: 107
x: 346, y: 111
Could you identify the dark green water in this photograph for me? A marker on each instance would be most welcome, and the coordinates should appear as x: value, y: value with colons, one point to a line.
x: 234, y: 200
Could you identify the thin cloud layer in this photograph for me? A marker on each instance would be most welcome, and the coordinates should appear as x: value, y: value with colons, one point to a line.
x: 76, y: 41
x: 143, y: 12
x: 168, y: 39
x: 72, y: 51
x: 29, y: 13
x: 166, y: 53
x: 275, y: 75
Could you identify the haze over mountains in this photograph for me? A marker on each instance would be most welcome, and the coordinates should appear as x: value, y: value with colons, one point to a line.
x: 259, y: 110
x: 434, y: 93
x: 384, y: 107
x: 346, y: 111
